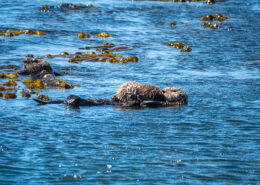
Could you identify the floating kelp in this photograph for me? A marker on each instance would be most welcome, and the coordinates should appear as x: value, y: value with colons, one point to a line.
x: 37, y: 32
x: 83, y: 35
x: 9, y: 75
x: 34, y: 84
x: 64, y: 53
x: 25, y: 93
x: 2, y: 89
x: 49, y: 56
x: 105, y: 53
x: 45, y: 8
x: 214, y: 17
x: 207, y: 18
x: 11, y: 33
x: 60, y: 83
x: 172, y: 24
x: 66, y: 6
x: 8, y: 95
x: 11, y: 82
x: 214, y: 26
x: 44, y: 98
x: 103, y: 35
x: 205, y: 24
x: 38, y: 84
x: 186, y: 49
x: 181, y: 46
x: 178, y: 45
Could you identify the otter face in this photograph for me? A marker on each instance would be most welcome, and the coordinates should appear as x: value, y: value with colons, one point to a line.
x: 73, y: 101
x: 175, y: 95
x: 35, y: 66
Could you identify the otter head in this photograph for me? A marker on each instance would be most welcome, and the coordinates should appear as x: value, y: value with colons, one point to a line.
x: 73, y: 101
x: 36, y: 66
x: 175, y: 95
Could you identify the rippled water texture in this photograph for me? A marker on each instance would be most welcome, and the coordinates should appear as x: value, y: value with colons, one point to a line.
x: 215, y: 139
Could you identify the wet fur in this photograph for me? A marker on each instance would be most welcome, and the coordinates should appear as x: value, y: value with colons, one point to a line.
x: 127, y: 91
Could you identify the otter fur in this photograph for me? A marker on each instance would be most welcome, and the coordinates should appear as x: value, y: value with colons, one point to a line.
x: 175, y: 96
x: 36, y: 67
x: 132, y: 94
x: 151, y: 92
x: 40, y: 69
x: 128, y: 91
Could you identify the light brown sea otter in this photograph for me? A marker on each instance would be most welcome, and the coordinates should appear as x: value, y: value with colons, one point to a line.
x: 131, y: 94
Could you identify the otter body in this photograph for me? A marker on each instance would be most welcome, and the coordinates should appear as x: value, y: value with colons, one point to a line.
x: 132, y: 94
x: 74, y: 101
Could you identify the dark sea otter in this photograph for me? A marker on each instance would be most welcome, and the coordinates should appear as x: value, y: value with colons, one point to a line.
x: 40, y: 69
x: 74, y: 101
x: 131, y: 95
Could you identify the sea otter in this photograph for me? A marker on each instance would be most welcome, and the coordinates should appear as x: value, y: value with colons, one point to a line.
x: 132, y: 94
x: 74, y: 101
x: 36, y: 67
x: 40, y: 69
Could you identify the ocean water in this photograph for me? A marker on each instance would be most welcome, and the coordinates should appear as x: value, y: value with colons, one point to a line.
x: 215, y: 139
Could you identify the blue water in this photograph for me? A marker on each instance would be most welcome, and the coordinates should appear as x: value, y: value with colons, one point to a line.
x: 215, y: 139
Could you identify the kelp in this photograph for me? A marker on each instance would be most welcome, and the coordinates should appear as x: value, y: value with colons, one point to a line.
x: 83, y: 35
x: 2, y: 89
x: 56, y: 83
x: 25, y: 93
x: 9, y: 75
x: 8, y: 95
x: 214, y: 17
x: 179, y: 45
x: 103, y: 35
x: 44, y: 98
x: 172, y: 24
x: 11, y: 82
x: 104, y: 53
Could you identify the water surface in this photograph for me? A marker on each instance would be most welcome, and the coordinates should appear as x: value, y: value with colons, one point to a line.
x: 215, y: 139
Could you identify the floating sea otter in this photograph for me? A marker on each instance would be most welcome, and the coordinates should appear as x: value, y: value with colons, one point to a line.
x: 42, y: 70
x: 132, y: 95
